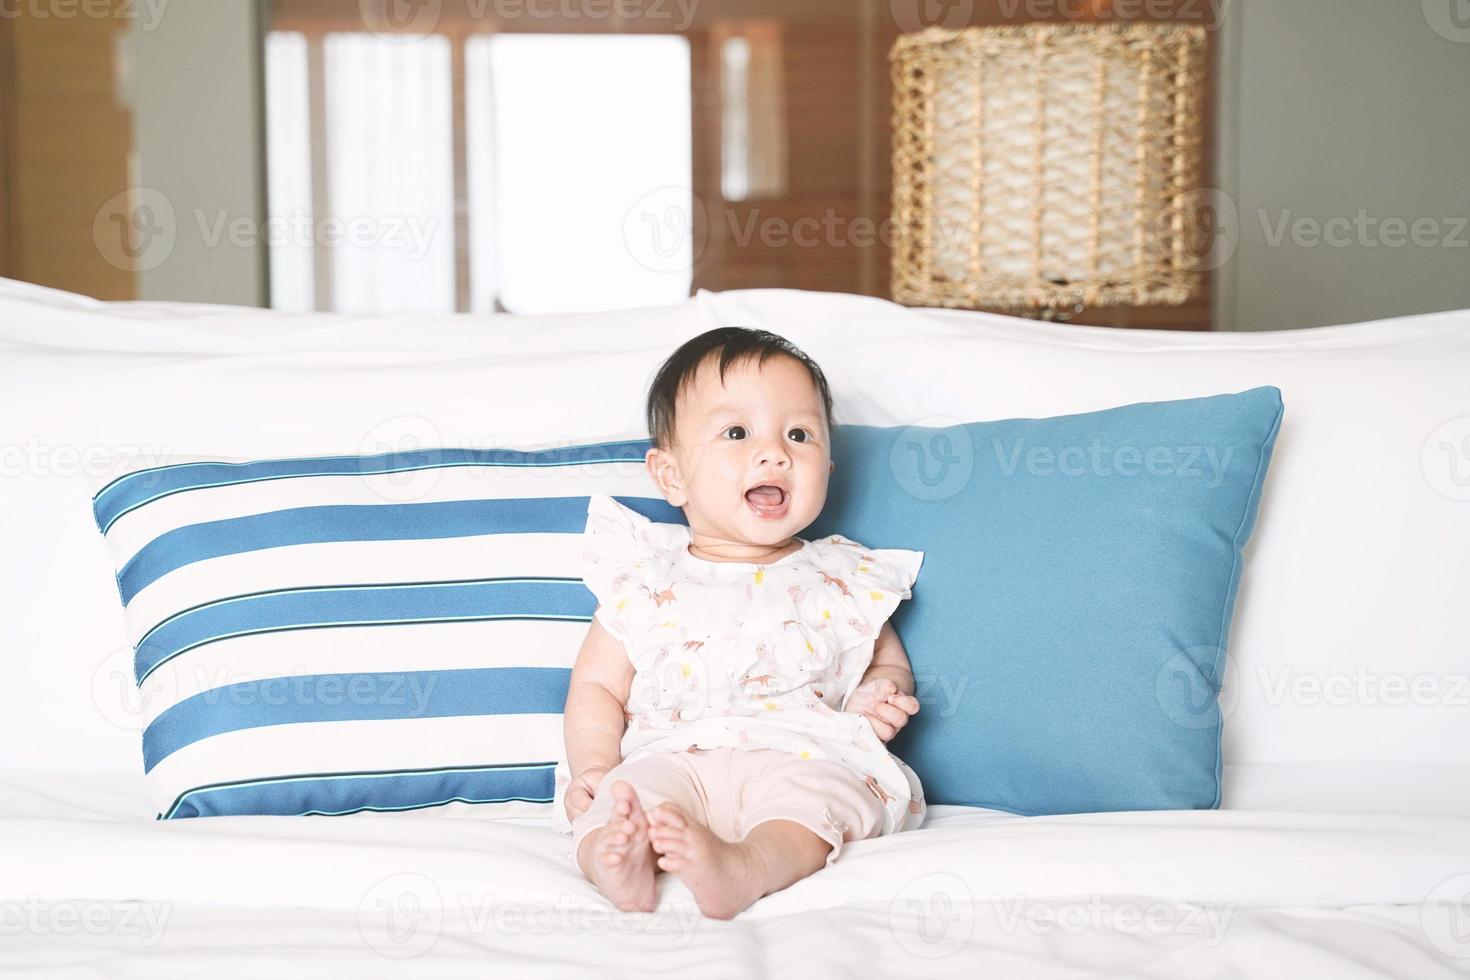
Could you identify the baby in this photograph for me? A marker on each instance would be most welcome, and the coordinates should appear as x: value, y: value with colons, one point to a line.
x: 728, y: 711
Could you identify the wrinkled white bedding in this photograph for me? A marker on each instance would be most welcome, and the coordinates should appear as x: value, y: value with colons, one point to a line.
x: 91, y: 889
x: 1373, y: 881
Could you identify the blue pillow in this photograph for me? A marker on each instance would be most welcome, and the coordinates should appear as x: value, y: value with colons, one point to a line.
x: 1068, y: 630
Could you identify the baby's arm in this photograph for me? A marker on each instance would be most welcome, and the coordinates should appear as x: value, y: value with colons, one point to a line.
x: 886, y: 692
x: 891, y: 660
x: 593, y: 721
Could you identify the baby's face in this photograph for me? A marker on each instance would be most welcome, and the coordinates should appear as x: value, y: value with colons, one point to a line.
x: 764, y: 426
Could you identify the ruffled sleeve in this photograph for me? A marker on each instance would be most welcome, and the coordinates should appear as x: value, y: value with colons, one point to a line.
x: 616, y: 549
x: 861, y: 587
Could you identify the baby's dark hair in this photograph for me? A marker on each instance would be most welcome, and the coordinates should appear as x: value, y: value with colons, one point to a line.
x: 733, y: 344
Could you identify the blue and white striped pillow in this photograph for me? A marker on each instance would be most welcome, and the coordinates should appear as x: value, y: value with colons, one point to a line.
x: 336, y: 634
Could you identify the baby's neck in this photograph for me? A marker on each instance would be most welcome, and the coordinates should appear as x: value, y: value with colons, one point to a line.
x: 720, y: 550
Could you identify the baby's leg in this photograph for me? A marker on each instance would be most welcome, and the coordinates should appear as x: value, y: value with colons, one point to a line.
x: 792, y: 817
x: 617, y: 857
x: 610, y: 839
x: 726, y: 876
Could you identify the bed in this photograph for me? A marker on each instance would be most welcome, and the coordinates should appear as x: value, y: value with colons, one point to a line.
x: 1341, y: 848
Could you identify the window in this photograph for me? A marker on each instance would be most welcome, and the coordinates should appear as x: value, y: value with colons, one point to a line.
x: 752, y: 102
x: 558, y: 166
x: 362, y: 184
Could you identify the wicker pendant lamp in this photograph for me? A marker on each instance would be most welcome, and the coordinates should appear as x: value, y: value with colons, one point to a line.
x: 1045, y: 168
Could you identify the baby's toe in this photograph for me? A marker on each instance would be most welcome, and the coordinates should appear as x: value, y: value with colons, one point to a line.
x: 668, y: 815
x: 625, y: 798
x: 662, y: 838
x: 667, y: 838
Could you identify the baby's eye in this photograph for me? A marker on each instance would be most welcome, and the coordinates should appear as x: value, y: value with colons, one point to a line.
x: 803, y: 433
x: 736, y: 428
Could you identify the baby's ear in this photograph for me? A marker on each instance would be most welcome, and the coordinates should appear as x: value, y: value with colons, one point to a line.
x: 663, y: 470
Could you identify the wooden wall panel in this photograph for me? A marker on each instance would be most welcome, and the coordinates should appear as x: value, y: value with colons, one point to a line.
x: 7, y: 145
x: 67, y: 152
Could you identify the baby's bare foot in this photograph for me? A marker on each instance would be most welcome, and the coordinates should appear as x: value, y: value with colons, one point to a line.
x: 723, y: 877
x: 622, y: 861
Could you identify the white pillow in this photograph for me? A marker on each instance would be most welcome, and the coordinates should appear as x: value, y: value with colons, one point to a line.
x: 1357, y: 563
x: 331, y: 635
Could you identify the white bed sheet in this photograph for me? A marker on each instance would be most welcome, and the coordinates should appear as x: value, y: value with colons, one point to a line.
x: 88, y: 887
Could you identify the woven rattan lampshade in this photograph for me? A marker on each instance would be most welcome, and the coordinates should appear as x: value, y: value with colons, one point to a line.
x: 1048, y: 165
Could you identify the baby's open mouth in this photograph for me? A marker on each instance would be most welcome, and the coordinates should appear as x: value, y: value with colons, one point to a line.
x: 767, y: 500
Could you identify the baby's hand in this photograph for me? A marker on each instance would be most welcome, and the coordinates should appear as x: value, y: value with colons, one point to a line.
x: 582, y: 789
x: 880, y: 702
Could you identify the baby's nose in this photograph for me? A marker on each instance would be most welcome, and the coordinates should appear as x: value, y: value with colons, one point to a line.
x: 773, y: 455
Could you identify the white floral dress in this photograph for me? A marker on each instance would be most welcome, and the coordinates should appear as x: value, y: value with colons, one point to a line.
x: 744, y: 655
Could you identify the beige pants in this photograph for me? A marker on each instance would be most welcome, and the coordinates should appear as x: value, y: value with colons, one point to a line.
x: 730, y: 791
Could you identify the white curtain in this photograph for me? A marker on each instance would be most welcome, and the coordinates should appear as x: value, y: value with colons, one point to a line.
x: 391, y: 173
x: 288, y: 172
